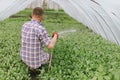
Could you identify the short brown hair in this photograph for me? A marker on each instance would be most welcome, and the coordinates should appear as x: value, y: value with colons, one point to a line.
x: 38, y: 11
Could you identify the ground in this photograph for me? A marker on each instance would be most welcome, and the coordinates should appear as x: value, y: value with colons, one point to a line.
x: 82, y: 55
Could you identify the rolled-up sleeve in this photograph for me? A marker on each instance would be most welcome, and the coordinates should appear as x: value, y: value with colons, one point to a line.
x: 44, y: 37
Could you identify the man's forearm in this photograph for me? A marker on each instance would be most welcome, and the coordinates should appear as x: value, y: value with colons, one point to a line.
x: 53, y: 42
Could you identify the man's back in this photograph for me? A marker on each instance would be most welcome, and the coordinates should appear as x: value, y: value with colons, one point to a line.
x: 34, y: 37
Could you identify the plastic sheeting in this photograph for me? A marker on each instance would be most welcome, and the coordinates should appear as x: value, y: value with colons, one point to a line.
x: 36, y: 3
x: 102, y: 16
x: 49, y: 4
x: 10, y: 7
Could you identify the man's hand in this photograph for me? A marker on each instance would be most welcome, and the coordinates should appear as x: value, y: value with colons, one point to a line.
x: 55, y: 34
x: 53, y: 40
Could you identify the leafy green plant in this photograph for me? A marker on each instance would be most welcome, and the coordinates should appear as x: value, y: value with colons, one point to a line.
x: 83, y: 55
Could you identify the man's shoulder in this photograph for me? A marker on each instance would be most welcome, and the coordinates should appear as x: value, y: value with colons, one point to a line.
x: 34, y: 25
x: 39, y: 26
x: 26, y: 23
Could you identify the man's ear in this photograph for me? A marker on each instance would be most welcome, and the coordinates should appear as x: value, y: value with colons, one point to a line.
x: 40, y: 16
x: 32, y: 15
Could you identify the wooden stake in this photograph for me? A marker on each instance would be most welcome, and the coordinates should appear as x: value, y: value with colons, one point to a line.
x: 49, y: 66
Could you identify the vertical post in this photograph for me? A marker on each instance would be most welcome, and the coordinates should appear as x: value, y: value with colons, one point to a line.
x: 44, y: 4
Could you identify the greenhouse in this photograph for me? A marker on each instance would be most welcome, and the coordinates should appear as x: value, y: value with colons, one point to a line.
x: 59, y: 40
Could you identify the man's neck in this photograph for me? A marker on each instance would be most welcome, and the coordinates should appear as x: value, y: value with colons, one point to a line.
x: 36, y: 20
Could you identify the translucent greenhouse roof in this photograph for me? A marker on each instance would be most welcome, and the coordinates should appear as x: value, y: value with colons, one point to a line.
x: 102, y: 16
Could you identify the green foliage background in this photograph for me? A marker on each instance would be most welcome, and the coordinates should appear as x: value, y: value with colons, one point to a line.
x: 83, y: 55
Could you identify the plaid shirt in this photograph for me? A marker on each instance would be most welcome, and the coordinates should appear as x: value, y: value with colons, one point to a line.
x: 34, y: 38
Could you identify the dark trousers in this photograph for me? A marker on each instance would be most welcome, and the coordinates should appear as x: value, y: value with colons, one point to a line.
x: 34, y: 73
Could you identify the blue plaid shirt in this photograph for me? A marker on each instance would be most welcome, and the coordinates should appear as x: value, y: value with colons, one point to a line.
x: 34, y: 38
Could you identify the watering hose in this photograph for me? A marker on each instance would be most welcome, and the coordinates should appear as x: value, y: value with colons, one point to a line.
x: 51, y: 50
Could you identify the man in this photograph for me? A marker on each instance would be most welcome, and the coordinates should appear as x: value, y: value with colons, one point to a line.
x: 34, y: 38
